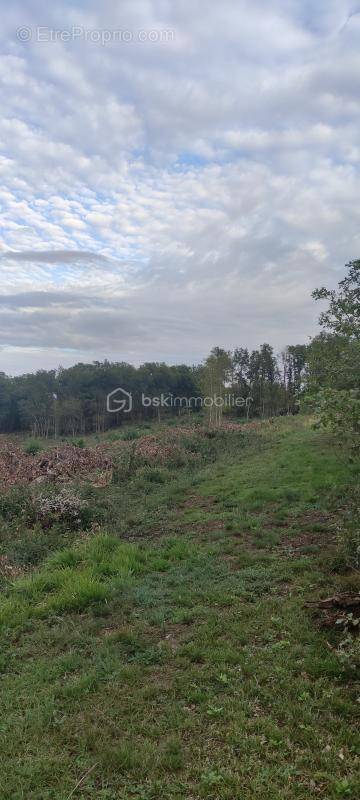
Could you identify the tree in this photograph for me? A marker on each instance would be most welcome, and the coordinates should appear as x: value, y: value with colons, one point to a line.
x: 214, y: 376
x: 334, y: 359
x: 37, y: 404
x: 294, y: 359
x: 343, y: 314
x: 263, y: 376
x: 240, y: 360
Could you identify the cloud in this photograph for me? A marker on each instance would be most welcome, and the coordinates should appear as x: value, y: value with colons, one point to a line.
x: 160, y: 197
x: 38, y: 300
x: 53, y: 256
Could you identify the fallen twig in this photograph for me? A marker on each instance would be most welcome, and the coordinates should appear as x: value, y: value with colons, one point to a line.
x: 85, y: 775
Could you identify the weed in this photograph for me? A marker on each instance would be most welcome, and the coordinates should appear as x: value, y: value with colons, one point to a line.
x: 32, y: 447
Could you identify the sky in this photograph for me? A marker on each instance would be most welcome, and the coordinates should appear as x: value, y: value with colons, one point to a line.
x: 174, y: 175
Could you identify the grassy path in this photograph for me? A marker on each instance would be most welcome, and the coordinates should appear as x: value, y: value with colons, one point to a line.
x: 185, y: 666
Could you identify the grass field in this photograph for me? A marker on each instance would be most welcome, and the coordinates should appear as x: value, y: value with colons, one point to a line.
x: 169, y: 655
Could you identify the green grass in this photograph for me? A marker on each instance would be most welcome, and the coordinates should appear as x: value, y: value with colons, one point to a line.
x: 180, y: 663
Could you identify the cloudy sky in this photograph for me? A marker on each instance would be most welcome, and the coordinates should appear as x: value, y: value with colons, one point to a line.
x: 174, y: 175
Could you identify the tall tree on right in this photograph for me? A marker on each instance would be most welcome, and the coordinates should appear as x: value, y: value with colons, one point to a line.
x: 334, y: 358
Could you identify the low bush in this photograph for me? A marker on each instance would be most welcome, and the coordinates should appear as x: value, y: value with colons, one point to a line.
x: 16, y: 504
x: 32, y: 447
x: 114, y: 436
x: 129, y: 435
x: 124, y: 465
x: 153, y: 474
x: 33, y: 545
x: 65, y: 507
x: 21, y: 508
x: 78, y: 443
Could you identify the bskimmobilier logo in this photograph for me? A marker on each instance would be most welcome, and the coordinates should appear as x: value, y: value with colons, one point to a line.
x: 119, y: 400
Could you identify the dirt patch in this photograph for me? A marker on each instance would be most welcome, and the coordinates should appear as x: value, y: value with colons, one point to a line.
x: 249, y: 541
x: 176, y: 636
x: 301, y: 540
x: 232, y: 562
x: 341, y: 610
x: 283, y: 588
x: 301, y: 534
x: 204, y: 527
x: 315, y: 517
x: 197, y: 501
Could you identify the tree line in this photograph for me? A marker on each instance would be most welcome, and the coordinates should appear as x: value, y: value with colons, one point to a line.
x: 73, y: 401
x: 323, y: 375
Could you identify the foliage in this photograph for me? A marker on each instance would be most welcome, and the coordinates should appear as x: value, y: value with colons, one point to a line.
x: 24, y: 507
x: 79, y: 442
x: 64, y: 507
x: 73, y: 401
x: 124, y: 465
x: 16, y: 505
x: 32, y: 447
x: 334, y: 359
x: 343, y: 314
x: 349, y: 529
x: 339, y: 410
x: 153, y: 474
x: 214, y: 376
x: 130, y: 435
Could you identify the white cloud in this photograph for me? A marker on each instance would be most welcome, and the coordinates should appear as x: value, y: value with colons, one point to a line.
x: 209, y: 182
